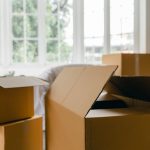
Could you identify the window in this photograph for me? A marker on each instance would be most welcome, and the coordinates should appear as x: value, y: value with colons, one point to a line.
x: 24, y: 31
x: 59, y: 36
x: 93, y: 30
x: 106, y: 30
x: 30, y: 35
x: 122, y: 25
x: 64, y: 31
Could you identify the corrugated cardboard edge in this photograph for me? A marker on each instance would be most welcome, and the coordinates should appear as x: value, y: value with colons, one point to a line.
x: 20, y: 81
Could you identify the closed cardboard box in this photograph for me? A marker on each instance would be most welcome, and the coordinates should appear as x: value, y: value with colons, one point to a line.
x: 72, y: 123
x: 22, y: 135
x: 17, y: 97
x: 129, y: 64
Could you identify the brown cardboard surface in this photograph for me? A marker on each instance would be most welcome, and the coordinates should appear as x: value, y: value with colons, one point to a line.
x: 20, y: 81
x: 16, y: 103
x: 64, y: 129
x: 71, y: 124
x: 79, y: 93
x: 124, y: 129
x: 114, y: 60
x: 129, y: 64
x: 22, y: 135
x: 69, y: 99
x: 64, y: 83
x: 61, y: 124
x: 17, y: 97
x: 92, y: 82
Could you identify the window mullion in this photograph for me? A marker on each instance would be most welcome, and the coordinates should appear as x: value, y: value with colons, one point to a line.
x: 58, y: 28
x: 2, y: 59
x: 136, y: 26
x: 5, y: 33
x: 41, y: 31
x: 78, y: 31
x: 25, y: 30
x: 106, y: 26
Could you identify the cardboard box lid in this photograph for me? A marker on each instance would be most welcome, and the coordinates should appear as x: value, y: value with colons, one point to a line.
x: 132, y: 87
x: 77, y: 88
x: 20, y: 81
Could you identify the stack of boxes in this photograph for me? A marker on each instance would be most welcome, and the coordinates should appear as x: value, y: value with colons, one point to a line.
x: 19, y: 128
x: 75, y: 119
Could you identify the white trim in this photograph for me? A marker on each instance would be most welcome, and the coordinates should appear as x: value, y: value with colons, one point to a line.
x: 41, y: 31
x: 6, y: 33
x: 1, y: 32
x: 25, y: 30
x: 143, y: 25
x: 59, y: 38
x: 137, y: 26
x: 106, y: 26
x: 78, y: 31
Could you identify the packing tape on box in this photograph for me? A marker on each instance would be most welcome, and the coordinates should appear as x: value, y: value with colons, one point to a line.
x: 137, y: 64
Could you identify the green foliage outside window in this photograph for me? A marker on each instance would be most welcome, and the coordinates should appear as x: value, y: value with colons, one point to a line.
x: 25, y: 28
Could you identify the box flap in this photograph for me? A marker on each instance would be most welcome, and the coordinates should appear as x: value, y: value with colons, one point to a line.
x: 76, y: 88
x: 133, y: 87
x: 20, y: 81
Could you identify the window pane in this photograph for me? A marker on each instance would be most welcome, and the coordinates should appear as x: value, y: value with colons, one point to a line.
x: 122, y: 43
x: 52, y: 6
x: 66, y: 47
x: 52, y: 26
x: 122, y: 24
x: 31, y: 6
x: 18, y: 52
x: 32, y: 26
x: 93, y: 49
x: 18, y: 30
x: 66, y: 19
x: 17, y: 6
x: 32, y: 51
x: 52, y: 51
x: 93, y: 30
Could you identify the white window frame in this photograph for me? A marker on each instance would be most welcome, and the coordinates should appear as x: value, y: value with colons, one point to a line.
x: 106, y: 26
x: 136, y: 26
x: 78, y: 29
x: 41, y: 31
x: 5, y: 33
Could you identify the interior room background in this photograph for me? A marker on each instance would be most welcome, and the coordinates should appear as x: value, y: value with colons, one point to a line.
x: 35, y: 34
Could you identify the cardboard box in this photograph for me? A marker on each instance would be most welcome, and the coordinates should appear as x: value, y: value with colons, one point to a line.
x: 129, y: 64
x: 17, y: 97
x: 132, y: 78
x: 72, y: 124
x: 130, y: 86
x: 22, y: 135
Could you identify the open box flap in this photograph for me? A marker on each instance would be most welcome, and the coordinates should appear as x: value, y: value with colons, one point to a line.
x: 77, y: 88
x: 20, y: 81
x: 133, y: 87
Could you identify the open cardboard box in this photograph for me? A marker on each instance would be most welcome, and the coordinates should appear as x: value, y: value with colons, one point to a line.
x: 132, y: 78
x: 72, y: 123
x: 17, y: 97
x: 22, y: 135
